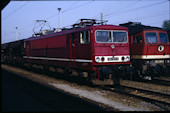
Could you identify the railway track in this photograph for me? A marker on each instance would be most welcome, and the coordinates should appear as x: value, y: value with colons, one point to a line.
x: 156, y: 81
x: 146, y: 86
x: 166, y: 78
x: 160, y: 99
x: 161, y: 80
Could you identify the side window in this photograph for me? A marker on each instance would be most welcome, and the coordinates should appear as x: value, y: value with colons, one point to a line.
x: 84, y: 37
x: 134, y: 40
x: 137, y: 39
x: 24, y: 44
x: 72, y: 38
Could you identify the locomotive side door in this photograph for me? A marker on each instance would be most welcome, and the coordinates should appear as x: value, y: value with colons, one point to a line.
x: 136, y: 45
x: 27, y: 49
x: 72, y: 43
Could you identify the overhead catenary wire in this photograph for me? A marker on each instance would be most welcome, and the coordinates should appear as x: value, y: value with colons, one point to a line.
x: 86, y: 4
x: 15, y: 11
x: 133, y: 9
x: 145, y: 17
x: 127, y: 6
x: 119, y: 12
x: 68, y: 9
x: 71, y: 7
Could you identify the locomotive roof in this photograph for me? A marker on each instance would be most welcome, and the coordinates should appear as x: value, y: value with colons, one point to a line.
x: 109, y: 27
x: 136, y: 27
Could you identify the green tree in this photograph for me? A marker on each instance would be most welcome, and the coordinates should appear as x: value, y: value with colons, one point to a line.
x: 166, y: 25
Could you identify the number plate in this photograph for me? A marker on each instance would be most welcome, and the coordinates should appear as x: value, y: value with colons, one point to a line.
x: 113, y: 58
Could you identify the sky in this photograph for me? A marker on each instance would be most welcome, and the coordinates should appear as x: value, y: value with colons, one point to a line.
x: 23, y: 14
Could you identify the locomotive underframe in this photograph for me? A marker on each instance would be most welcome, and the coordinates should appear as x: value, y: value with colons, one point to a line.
x: 115, y: 70
x: 151, y: 67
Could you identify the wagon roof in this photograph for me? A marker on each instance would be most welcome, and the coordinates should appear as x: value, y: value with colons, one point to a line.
x: 136, y: 27
x: 12, y: 44
x: 77, y: 30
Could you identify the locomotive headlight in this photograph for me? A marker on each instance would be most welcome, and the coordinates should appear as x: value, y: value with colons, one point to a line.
x: 97, y: 59
x: 127, y: 58
x: 123, y: 58
x: 112, y: 46
x: 168, y: 61
x: 102, y: 59
x: 160, y: 48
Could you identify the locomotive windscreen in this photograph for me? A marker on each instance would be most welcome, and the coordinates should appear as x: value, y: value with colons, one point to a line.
x: 111, y: 36
x: 163, y: 37
x: 103, y: 36
x: 151, y: 37
x: 119, y: 37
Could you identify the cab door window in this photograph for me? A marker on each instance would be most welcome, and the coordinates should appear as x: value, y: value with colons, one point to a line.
x: 84, y: 37
x: 137, y: 39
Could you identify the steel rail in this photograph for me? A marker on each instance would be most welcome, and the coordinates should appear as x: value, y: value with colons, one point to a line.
x: 142, y: 95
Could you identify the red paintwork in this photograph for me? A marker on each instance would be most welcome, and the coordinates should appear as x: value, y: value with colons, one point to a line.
x: 59, y: 45
x: 104, y: 49
x: 145, y: 48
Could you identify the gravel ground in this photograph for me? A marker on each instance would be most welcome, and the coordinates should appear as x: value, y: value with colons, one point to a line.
x: 111, y: 100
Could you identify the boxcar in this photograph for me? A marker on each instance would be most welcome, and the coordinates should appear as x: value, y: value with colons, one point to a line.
x: 12, y: 52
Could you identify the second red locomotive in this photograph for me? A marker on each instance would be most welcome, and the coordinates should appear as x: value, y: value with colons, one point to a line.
x: 149, y: 49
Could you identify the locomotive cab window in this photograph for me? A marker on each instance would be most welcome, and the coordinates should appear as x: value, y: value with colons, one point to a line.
x: 137, y: 39
x: 151, y: 38
x: 111, y: 36
x: 103, y: 36
x: 163, y: 37
x: 84, y: 37
x: 119, y: 36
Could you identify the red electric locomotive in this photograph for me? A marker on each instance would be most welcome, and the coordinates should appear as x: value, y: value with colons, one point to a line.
x: 149, y: 49
x: 94, y: 51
